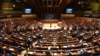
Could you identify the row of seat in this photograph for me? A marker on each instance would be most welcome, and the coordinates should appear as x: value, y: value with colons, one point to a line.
x: 18, y: 33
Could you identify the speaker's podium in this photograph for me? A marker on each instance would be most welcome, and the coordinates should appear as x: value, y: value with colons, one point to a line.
x: 29, y: 16
x: 67, y: 16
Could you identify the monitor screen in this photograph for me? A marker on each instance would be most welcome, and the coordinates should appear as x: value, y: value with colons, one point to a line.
x: 69, y: 10
x: 28, y: 10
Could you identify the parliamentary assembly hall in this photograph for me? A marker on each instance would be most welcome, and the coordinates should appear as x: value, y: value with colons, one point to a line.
x: 49, y: 27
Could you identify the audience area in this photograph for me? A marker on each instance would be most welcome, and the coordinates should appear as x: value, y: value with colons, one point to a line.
x: 76, y: 37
